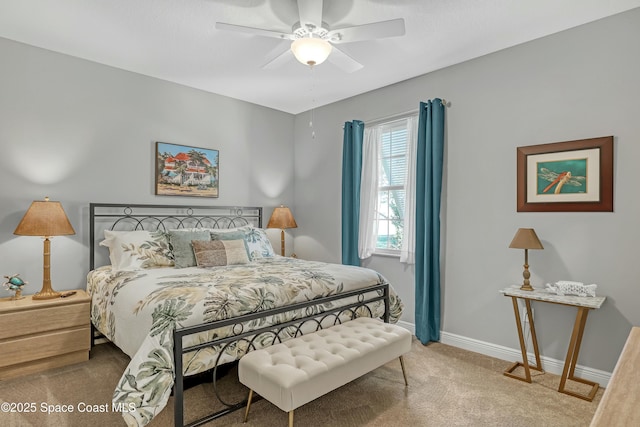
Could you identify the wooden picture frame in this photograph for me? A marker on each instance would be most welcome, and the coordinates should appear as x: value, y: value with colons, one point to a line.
x: 570, y: 176
x: 183, y: 170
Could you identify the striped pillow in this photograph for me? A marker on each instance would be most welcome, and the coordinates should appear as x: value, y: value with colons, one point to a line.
x: 214, y: 253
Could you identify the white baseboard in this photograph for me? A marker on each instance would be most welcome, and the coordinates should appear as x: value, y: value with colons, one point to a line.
x: 408, y: 326
x: 550, y: 365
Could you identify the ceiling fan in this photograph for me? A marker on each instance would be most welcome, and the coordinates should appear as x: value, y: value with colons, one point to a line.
x: 313, y: 41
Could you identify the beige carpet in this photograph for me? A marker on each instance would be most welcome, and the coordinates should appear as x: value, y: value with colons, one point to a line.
x: 447, y: 387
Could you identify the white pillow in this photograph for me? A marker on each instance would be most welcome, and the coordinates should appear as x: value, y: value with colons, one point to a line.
x: 134, y: 250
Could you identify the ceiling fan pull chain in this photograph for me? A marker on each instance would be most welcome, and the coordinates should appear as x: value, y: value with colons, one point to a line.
x: 313, y: 104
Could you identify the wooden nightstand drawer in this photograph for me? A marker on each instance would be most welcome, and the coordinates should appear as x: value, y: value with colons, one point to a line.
x: 29, y: 321
x: 41, y: 346
x: 43, y: 334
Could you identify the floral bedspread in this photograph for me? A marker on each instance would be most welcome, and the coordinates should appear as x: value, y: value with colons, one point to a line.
x: 139, y: 310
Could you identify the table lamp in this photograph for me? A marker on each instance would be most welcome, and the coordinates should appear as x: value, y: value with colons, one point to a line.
x: 526, y: 239
x: 282, y: 218
x: 45, y: 219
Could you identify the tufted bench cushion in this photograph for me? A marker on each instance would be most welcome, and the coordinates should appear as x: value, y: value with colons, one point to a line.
x: 302, y: 369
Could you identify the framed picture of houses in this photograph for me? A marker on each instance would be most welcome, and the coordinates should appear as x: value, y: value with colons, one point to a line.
x: 186, y: 171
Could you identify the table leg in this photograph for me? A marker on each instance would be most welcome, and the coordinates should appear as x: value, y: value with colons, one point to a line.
x: 572, y: 359
x: 523, y: 348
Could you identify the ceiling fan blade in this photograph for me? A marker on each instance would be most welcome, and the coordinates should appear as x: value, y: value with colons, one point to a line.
x: 310, y: 12
x: 375, y: 30
x: 254, y: 31
x: 280, y: 58
x: 343, y: 61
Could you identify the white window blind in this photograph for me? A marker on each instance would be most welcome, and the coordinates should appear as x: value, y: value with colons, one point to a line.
x: 391, y: 185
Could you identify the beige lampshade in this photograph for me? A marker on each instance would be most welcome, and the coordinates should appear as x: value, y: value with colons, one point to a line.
x: 44, y: 218
x: 526, y: 238
x: 282, y: 218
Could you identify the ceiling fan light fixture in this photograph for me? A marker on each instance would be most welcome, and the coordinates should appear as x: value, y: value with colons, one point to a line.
x: 311, y: 51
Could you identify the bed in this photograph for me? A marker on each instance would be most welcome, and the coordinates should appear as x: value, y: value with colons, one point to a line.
x: 186, y: 289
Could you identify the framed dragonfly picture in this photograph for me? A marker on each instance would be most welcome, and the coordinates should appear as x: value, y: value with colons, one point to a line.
x: 571, y: 176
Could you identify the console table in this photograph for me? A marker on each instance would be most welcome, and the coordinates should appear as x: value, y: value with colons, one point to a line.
x: 583, y: 304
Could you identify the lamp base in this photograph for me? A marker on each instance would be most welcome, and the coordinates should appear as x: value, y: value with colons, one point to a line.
x: 282, y: 242
x: 46, y: 294
x: 47, y: 291
x: 526, y: 287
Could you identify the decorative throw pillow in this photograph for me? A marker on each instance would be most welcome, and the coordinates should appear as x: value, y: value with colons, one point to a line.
x: 218, y: 230
x: 231, y: 235
x: 256, y: 240
x: 227, y: 235
x: 215, y: 253
x: 133, y: 250
x: 258, y: 244
x: 180, y: 245
x: 230, y: 229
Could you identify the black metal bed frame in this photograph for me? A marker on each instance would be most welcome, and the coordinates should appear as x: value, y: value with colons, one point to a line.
x: 318, y: 321
x: 317, y: 315
x: 141, y: 217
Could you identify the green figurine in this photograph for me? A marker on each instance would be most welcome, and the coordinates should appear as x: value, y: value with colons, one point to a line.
x: 15, y: 283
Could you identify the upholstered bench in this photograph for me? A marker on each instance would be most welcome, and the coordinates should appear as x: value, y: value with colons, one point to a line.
x: 302, y: 369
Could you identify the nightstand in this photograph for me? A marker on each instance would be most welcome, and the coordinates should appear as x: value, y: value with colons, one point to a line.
x: 43, y: 334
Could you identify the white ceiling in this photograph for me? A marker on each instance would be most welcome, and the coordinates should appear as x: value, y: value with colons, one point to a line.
x: 176, y: 40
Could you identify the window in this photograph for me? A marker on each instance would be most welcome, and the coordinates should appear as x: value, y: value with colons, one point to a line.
x: 387, y: 156
x: 386, y: 208
x: 392, y: 174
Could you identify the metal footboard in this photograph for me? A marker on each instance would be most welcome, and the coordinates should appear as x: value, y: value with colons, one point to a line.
x: 317, y: 316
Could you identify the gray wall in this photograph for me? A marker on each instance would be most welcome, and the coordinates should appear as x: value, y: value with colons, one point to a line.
x: 577, y: 84
x: 81, y: 132
x: 78, y: 132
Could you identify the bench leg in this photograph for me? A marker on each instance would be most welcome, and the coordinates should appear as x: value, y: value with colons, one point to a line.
x: 291, y: 418
x: 246, y: 412
x: 404, y: 372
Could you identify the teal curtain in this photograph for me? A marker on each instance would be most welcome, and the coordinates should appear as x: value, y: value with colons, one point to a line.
x: 351, y: 169
x: 428, y: 191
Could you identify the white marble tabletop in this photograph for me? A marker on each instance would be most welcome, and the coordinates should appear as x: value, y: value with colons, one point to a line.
x: 544, y: 295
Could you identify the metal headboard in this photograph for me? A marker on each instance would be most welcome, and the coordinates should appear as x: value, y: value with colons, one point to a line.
x: 126, y: 217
